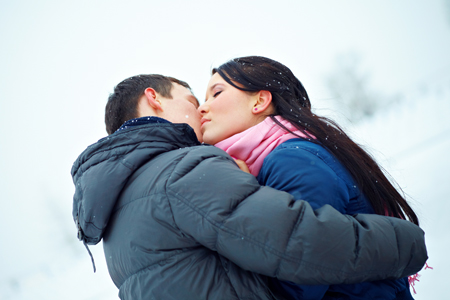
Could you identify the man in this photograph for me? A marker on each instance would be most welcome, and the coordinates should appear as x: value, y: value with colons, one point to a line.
x: 179, y: 220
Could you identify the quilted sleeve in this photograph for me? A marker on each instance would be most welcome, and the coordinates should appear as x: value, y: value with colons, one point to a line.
x: 265, y: 231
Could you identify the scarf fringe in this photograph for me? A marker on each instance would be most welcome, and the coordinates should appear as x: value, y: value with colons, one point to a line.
x: 415, y: 278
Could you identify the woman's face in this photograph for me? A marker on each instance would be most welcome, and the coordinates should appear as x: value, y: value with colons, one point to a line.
x: 226, y: 111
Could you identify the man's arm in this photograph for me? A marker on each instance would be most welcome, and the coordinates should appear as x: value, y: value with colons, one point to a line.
x: 265, y: 231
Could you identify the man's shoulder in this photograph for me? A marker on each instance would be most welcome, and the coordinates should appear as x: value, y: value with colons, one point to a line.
x: 201, y: 152
x: 190, y: 156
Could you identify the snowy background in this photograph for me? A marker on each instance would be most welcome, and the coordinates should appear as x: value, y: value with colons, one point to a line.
x: 59, y: 60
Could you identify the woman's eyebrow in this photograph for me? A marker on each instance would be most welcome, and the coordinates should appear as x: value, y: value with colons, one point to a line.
x: 214, y: 85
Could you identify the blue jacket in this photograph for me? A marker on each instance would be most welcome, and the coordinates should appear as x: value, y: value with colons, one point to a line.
x: 309, y: 172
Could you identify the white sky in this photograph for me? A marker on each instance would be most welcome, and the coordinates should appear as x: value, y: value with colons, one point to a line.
x: 59, y: 60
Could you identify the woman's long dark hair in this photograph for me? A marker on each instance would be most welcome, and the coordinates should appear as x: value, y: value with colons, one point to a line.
x: 290, y: 100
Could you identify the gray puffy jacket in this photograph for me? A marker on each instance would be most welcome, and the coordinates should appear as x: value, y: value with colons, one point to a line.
x: 179, y: 220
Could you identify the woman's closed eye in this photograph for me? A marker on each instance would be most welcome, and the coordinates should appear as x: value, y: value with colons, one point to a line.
x: 217, y: 94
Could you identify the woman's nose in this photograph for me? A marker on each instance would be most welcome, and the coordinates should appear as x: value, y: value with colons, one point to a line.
x: 203, y: 109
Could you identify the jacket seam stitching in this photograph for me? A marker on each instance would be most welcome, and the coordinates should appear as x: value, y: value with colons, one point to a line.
x: 137, y: 199
x: 299, y: 219
x: 174, y: 165
x: 148, y: 267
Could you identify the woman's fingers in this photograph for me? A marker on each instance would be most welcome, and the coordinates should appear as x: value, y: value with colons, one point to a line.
x: 242, y: 165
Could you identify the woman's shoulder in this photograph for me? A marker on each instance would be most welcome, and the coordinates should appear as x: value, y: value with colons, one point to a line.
x: 302, y: 157
x: 303, y: 148
x: 317, y: 167
x: 316, y: 154
x: 300, y: 143
x: 297, y: 167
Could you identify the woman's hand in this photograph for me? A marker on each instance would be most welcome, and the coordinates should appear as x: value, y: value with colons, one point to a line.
x: 242, y: 165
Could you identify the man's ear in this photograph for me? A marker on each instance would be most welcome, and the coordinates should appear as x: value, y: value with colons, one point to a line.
x: 263, y: 101
x: 152, y: 99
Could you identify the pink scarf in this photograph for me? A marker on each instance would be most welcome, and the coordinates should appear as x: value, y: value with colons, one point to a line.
x: 255, y: 143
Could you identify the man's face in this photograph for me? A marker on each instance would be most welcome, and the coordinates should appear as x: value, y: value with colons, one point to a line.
x: 182, y: 108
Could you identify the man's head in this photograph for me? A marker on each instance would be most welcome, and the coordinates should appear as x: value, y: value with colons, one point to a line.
x: 152, y: 95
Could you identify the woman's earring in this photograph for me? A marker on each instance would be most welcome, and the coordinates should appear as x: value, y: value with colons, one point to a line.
x: 256, y: 109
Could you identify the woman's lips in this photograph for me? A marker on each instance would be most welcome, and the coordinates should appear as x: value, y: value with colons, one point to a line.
x: 203, y: 122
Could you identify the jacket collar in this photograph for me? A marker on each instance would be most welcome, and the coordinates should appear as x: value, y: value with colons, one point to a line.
x: 142, y: 121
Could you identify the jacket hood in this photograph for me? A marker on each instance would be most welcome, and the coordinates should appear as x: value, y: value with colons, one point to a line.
x: 103, y: 169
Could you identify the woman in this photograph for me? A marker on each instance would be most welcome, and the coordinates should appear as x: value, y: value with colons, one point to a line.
x: 259, y: 112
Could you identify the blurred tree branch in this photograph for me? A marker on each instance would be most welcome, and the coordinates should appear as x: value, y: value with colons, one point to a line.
x: 350, y: 88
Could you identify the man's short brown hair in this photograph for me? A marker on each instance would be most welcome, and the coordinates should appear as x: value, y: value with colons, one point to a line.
x: 123, y: 103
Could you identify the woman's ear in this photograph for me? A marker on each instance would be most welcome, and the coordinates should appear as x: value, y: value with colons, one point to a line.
x: 152, y: 99
x: 263, y: 102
